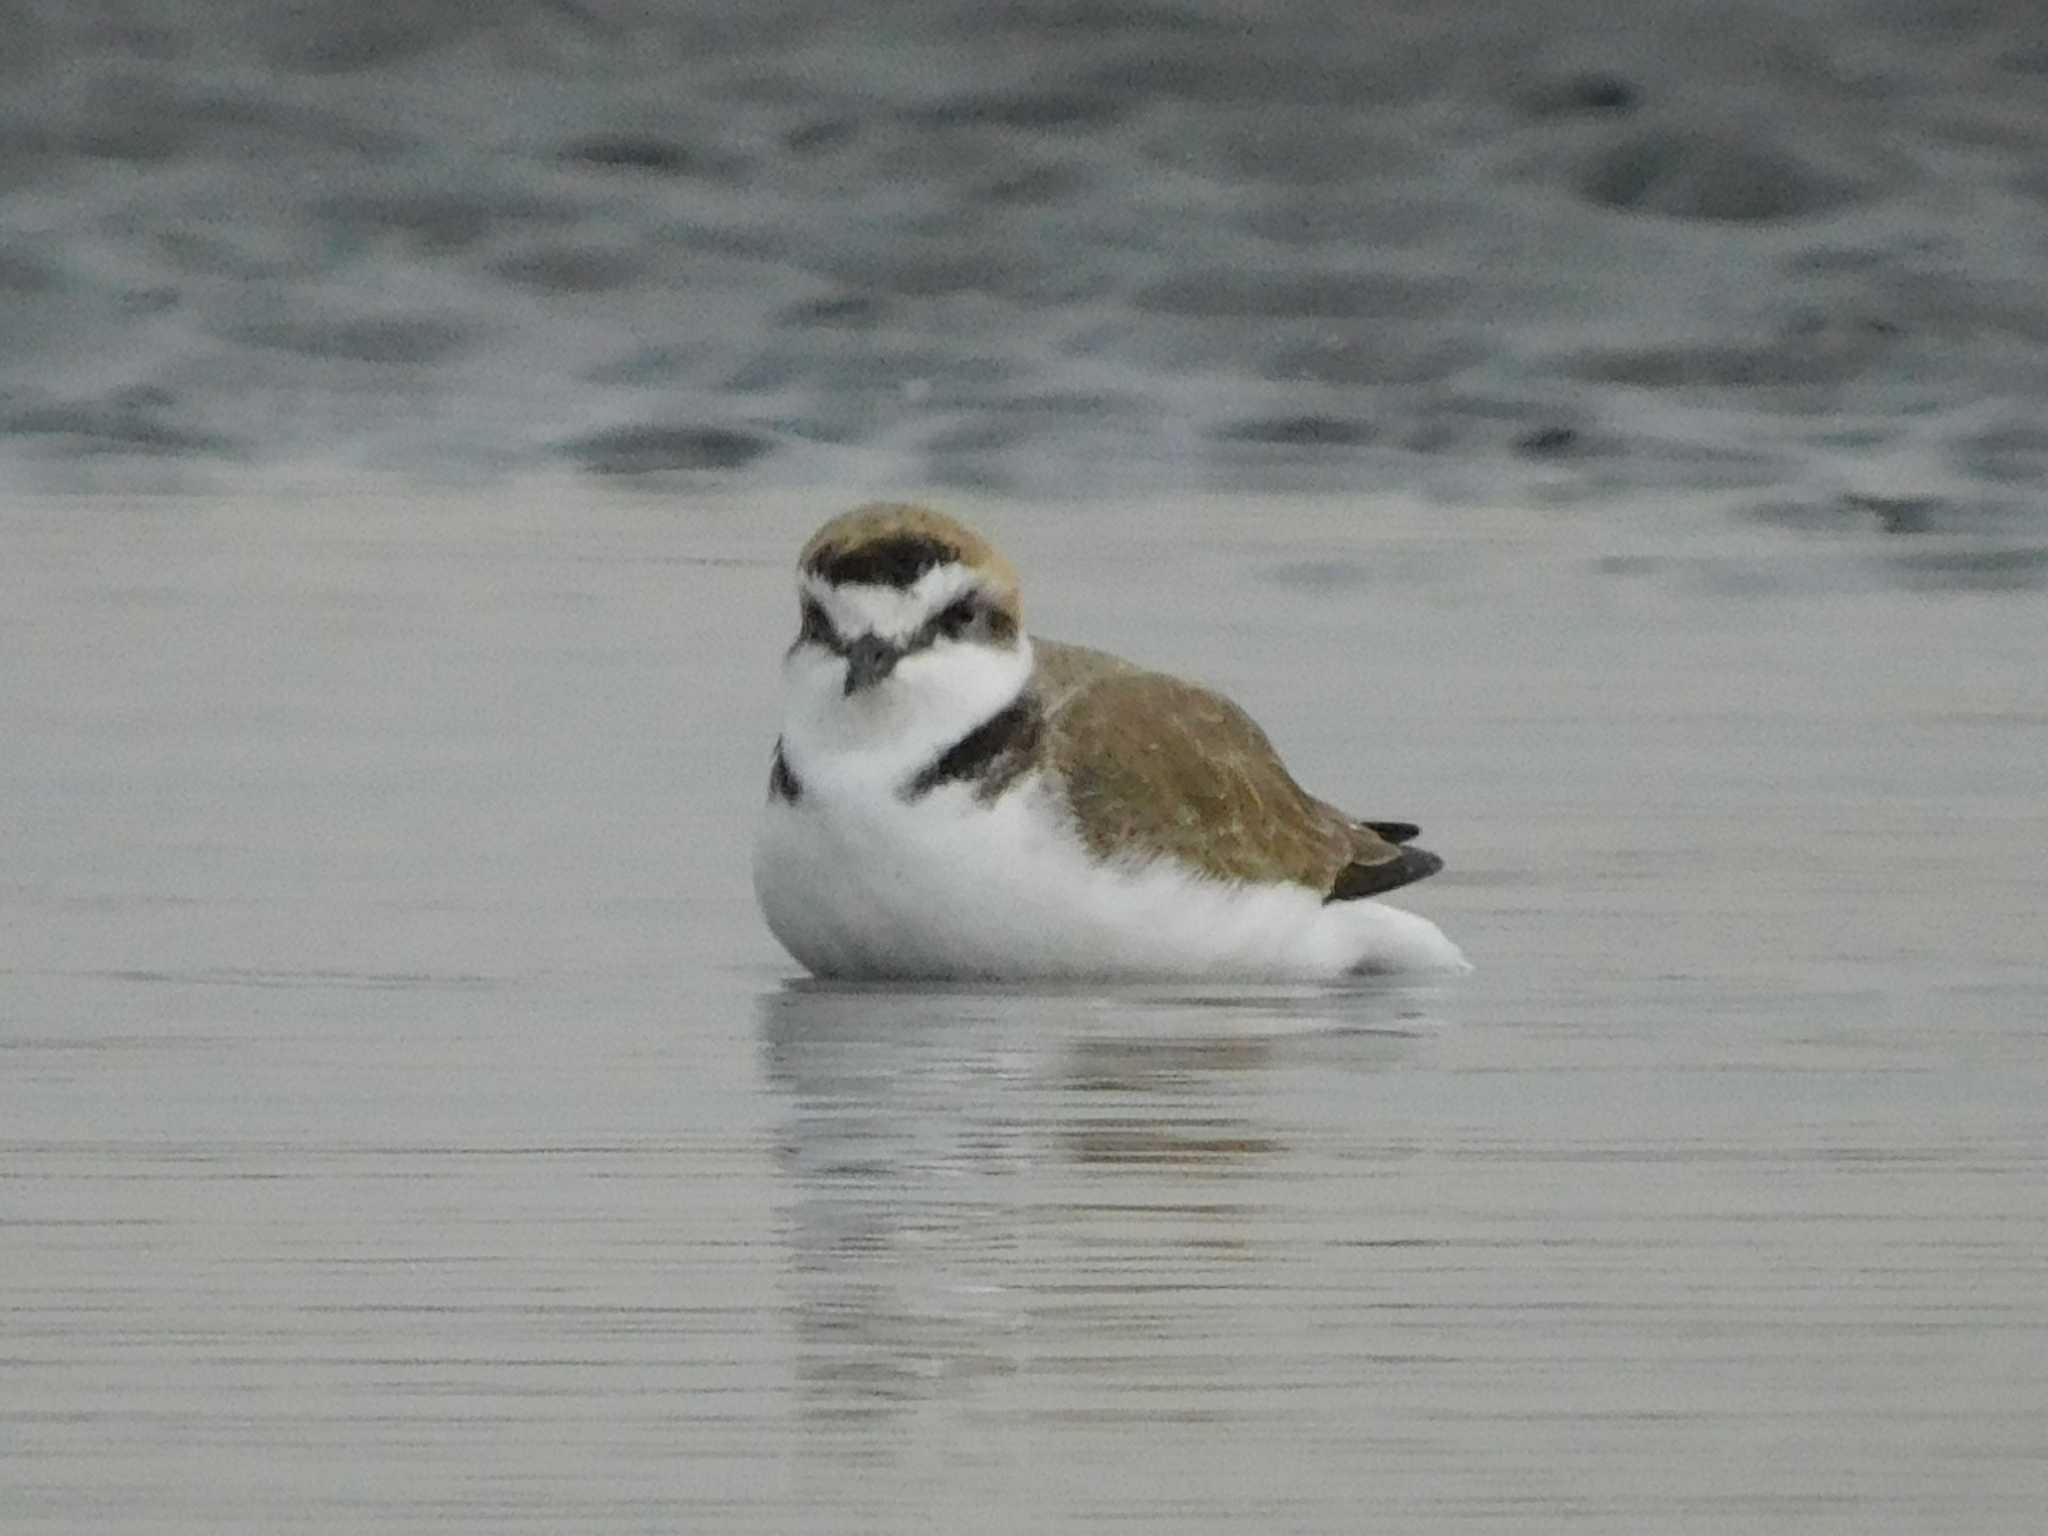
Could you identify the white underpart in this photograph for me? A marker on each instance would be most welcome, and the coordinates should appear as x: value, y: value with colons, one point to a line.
x: 858, y: 882
x: 861, y: 885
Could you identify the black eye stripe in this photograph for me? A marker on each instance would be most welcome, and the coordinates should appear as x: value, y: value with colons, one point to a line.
x: 816, y: 625
x: 964, y: 613
x: 971, y: 612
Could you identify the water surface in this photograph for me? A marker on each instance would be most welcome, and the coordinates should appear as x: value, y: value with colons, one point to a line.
x: 405, y: 1120
x: 1542, y: 249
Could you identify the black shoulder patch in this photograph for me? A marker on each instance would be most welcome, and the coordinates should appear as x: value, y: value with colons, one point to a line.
x: 1356, y: 880
x: 896, y: 562
x: 994, y: 752
x: 782, y: 782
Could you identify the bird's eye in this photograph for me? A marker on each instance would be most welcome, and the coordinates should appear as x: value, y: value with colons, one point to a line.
x: 958, y: 619
x: 816, y: 627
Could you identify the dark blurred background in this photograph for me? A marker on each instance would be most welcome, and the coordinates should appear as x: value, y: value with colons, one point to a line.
x: 1554, y: 251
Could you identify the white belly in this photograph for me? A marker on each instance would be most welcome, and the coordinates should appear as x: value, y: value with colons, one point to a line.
x: 857, y: 883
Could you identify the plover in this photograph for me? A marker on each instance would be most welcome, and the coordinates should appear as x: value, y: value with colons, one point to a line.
x: 951, y: 798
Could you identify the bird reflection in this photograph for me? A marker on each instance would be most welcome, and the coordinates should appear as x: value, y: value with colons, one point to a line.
x: 979, y: 1179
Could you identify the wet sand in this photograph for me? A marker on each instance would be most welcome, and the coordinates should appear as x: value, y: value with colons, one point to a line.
x: 407, y: 1120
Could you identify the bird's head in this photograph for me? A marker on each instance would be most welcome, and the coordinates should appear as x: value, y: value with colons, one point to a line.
x: 905, y: 614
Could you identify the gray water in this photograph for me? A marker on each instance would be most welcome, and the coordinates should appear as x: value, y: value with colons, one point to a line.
x: 1560, y: 249
x: 406, y: 1123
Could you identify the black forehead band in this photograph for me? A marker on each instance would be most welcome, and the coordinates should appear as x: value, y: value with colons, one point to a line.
x: 896, y: 562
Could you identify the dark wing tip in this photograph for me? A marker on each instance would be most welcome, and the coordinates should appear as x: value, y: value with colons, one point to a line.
x: 1359, y: 880
x: 1394, y: 831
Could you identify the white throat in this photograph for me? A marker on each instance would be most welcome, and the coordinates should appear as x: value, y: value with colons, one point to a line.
x: 885, y: 733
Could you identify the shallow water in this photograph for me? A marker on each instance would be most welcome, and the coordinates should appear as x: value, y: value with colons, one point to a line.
x: 1558, y: 249
x: 405, y: 1119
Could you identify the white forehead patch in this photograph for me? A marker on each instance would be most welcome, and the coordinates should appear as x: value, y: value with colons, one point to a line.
x: 890, y: 613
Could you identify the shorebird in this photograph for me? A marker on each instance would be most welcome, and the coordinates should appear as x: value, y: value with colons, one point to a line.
x: 952, y: 798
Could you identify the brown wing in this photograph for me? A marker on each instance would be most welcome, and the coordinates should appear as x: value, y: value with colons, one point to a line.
x: 1153, y: 766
